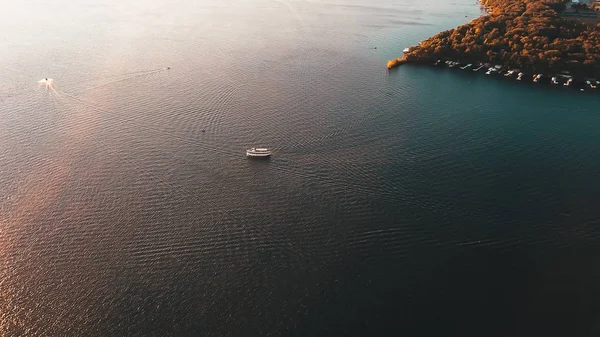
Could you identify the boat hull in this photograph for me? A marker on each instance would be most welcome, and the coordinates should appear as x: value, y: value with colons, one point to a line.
x: 258, y: 155
x: 258, y: 152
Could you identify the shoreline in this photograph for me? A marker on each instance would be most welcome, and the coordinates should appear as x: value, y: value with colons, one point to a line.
x: 530, y: 36
x: 560, y: 80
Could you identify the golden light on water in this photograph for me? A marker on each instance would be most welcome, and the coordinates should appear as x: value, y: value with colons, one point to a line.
x: 43, y: 184
x: 37, y: 193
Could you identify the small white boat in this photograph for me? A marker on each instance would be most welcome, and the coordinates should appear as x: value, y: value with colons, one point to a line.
x: 406, y: 50
x: 477, y: 69
x: 554, y: 81
x: 537, y: 78
x: 465, y: 67
x: 258, y: 152
x: 568, y: 82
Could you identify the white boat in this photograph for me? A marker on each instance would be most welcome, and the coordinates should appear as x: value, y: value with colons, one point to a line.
x: 258, y: 152
x: 406, y: 50
x: 509, y: 73
x: 568, y: 84
x: 554, y: 81
x: 519, y: 76
x: 536, y: 78
x: 465, y: 67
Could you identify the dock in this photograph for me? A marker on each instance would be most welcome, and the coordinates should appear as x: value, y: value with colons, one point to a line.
x: 564, y: 78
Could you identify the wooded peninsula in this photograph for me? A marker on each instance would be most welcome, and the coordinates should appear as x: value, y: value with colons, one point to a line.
x: 527, y: 34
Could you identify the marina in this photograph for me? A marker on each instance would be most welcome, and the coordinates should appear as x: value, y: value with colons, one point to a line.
x: 563, y: 78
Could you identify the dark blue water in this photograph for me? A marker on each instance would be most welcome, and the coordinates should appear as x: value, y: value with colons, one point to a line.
x: 416, y: 202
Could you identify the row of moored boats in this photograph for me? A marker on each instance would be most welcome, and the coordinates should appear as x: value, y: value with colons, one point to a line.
x: 564, y: 79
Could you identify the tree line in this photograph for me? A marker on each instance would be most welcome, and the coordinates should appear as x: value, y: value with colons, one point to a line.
x: 526, y: 34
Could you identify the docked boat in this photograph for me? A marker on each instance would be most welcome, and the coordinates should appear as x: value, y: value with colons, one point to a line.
x: 592, y: 85
x: 258, y: 152
x: 491, y: 71
x: 519, y: 76
x: 568, y: 83
x: 537, y: 78
x: 509, y: 73
x: 554, y: 80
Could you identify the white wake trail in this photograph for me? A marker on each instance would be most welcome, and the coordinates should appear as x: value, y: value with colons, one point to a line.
x: 133, y: 76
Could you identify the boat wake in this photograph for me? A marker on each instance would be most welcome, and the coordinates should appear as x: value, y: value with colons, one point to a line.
x: 295, y: 13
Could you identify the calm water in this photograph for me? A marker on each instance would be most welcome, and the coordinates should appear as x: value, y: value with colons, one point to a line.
x: 421, y: 202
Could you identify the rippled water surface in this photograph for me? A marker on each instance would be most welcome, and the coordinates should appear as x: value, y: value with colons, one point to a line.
x: 418, y: 202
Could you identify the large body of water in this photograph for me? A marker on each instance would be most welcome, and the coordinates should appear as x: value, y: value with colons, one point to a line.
x: 420, y: 202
